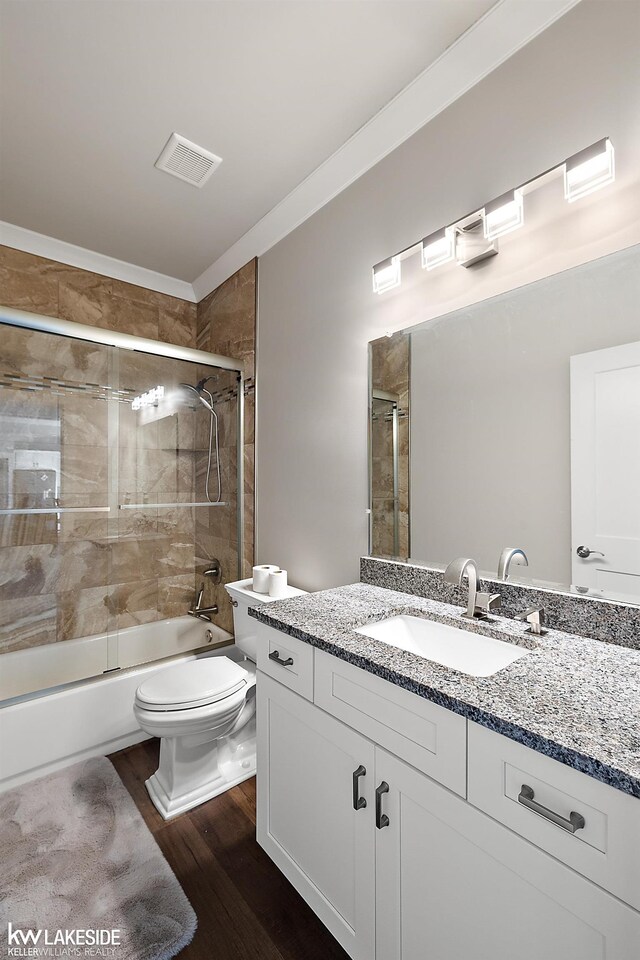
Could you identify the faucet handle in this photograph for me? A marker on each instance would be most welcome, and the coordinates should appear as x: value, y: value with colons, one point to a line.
x: 535, y: 617
x: 485, y: 602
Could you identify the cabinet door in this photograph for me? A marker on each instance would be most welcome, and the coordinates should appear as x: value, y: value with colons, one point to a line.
x: 306, y: 818
x: 452, y: 883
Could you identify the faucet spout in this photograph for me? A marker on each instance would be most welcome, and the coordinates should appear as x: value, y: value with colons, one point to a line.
x: 508, y: 556
x: 454, y: 574
x: 479, y: 605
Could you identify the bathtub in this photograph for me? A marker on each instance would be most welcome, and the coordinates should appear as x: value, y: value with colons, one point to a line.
x: 56, y: 725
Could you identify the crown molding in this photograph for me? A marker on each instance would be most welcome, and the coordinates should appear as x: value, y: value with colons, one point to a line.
x: 42, y: 246
x: 501, y: 32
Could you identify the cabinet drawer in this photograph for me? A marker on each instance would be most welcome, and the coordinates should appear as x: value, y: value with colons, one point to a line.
x: 286, y: 659
x: 427, y: 736
x: 605, y: 846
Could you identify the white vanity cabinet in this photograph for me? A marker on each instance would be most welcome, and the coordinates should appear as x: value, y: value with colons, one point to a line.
x: 306, y: 818
x: 402, y: 867
x: 452, y: 884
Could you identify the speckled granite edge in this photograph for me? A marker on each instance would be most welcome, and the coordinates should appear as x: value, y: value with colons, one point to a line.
x: 569, y: 732
x: 591, y: 617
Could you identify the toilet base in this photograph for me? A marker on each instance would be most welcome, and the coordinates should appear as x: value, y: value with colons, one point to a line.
x: 192, y: 773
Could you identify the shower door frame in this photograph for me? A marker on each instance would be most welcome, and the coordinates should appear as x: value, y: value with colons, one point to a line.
x: 79, y: 331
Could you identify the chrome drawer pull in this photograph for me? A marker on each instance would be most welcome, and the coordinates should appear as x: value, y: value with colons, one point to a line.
x: 359, y: 803
x: 575, y: 822
x: 275, y: 656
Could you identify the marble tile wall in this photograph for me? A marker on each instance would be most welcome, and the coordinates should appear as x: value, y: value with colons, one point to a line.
x: 72, y: 575
x: 390, y: 373
x: 28, y: 282
x: 226, y: 324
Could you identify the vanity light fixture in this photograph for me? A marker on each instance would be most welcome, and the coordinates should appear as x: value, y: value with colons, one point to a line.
x: 386, y: 275
x: 504, y: 214
x: 472, y: 238
x: 438, y: 248
x: 589, y: 170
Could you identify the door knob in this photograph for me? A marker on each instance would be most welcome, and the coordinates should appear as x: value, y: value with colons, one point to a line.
x: 585, y: 552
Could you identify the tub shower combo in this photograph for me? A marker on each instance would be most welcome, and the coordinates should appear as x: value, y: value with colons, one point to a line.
x: 121, y: 503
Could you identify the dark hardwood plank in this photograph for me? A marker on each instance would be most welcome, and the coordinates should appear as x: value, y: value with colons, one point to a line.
x: 246, y: 908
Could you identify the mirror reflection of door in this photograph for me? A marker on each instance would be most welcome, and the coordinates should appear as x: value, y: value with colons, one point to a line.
x: 605, y: 470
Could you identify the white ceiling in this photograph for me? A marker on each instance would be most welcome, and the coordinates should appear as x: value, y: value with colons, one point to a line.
x: 90, y: 92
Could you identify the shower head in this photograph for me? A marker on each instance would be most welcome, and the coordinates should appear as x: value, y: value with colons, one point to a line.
x: 197, y: 392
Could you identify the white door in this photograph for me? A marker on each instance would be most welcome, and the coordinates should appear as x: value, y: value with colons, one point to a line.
x: 451, y: 883
x: 605, y: 470
x: 307, y: 820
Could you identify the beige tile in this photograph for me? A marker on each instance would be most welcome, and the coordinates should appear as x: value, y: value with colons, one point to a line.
x: 134, y: 603
x: 138, y: 524
x: 84, y: 470
x: 249, y: 417
x: 177, y: 523
x: 83, y: 526
x: 28, y: 571
x: 128, y: 316
x: 134, y: 560
x: 175, y: 558
x: 82, y: 297
x: 177, y: 323
x: 176, y: 595
x: 28, y: 282
x: 83, y: 421
x: 24, y: 530
x: 83, y: 613
x: 83, y: 563
x: 27, y: 624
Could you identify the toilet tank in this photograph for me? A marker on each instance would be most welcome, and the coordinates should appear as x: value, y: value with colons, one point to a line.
x: 244, y: 627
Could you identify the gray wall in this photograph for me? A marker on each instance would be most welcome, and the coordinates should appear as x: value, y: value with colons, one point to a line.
x: 575, y: 83
x: 490, y: 415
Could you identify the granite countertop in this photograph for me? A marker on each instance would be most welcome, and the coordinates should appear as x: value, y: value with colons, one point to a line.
x: 574, y: 699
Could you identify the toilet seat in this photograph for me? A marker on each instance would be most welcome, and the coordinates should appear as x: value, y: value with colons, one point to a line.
x: 190, y: 686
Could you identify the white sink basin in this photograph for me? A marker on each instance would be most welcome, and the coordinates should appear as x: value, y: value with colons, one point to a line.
x: 462, y: 650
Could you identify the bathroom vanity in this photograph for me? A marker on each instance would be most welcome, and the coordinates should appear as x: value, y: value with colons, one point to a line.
x: 424, y: 812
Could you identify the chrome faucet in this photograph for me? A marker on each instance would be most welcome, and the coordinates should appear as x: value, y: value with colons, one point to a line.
x: 200, y: 612
x: 478, y: 604
x: 508, y: 556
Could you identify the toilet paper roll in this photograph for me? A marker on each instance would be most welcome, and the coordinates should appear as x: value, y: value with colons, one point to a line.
x: 278, y: 583
x: 261, y: 576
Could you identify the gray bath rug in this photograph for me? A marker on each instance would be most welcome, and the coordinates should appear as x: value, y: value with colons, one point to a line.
x: 76, y: 860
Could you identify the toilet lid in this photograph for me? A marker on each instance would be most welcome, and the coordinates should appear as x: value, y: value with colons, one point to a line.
x: 193, y: 684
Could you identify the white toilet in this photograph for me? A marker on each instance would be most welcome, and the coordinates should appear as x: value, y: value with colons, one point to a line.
x: 204, y: 713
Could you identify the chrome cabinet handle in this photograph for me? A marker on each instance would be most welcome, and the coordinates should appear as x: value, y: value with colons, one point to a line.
x: 382, y: 820
x: 359, y: 803
x: 575, y: 822
x: 275, y: 656
x: 584, y: 552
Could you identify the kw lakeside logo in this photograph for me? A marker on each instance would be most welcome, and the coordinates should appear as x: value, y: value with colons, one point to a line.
x: 81, y: 942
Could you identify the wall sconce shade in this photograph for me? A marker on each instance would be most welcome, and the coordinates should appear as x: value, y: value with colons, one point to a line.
x: 386, y: 275
x: 589, y: 170
x: 504, y: 214
x: 438, y: 248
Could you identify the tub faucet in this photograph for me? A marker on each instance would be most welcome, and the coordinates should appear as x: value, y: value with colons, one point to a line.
x: 508, y: 556
x: 200, y: 612
x: 478, y: 604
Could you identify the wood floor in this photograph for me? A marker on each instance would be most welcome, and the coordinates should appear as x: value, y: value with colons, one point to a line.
x: 246, y: 908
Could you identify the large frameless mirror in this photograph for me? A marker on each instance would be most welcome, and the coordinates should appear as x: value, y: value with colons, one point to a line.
x: 522, y: 417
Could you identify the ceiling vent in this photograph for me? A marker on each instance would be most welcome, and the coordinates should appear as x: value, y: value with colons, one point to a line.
x: 186, y: 160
